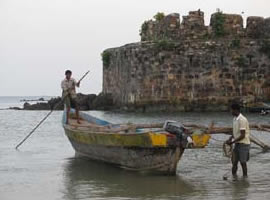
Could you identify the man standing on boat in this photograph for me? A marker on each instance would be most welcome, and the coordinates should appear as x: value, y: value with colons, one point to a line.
x: 241, y: 140
x: 69, y: 94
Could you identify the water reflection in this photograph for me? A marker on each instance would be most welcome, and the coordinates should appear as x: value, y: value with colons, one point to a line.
x: 86, y: 179
x: 240, y: 189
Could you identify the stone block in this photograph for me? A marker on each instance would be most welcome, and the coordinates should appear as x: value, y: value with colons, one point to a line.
x: 266, y: 28
x: 227, y: 24
x: 255, y: 27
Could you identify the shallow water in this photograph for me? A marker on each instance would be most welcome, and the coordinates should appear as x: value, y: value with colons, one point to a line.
x: 45, y: 167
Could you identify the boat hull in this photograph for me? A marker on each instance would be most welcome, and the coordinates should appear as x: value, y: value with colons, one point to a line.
x: 145, y: 158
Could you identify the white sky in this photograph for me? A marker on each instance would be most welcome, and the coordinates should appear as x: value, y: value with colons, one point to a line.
x: 40, y: 39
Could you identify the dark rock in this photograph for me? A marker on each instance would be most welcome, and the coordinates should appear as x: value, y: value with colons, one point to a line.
x: 14, y: 108
x: 37, y: 106
x: 103, y: 102
x: 41, y: 99
x: 85, y: 102
x: 55, y: 104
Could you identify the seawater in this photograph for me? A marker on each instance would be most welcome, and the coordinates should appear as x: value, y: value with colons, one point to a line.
x: 45, y: 166
x: 17, y: 101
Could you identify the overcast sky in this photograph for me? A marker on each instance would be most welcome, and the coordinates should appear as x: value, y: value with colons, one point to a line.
x: 40, y: 39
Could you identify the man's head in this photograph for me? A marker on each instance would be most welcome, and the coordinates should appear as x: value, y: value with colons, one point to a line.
x: 235, y: 109
x: 68, y: 74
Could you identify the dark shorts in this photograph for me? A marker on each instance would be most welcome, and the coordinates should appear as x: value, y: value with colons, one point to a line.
x: 240, y: 153
x: 70, y: 102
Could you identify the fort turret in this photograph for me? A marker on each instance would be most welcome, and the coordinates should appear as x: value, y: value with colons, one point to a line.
x: 185, y: 65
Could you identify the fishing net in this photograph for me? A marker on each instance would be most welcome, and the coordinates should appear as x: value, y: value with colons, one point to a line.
x: 227, y: 150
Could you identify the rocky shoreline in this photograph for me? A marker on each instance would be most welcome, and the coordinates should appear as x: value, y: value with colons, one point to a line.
x: 105, y: 102
x: 85, y: 102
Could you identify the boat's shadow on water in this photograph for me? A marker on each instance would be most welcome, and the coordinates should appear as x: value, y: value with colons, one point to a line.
x: 84, y: 179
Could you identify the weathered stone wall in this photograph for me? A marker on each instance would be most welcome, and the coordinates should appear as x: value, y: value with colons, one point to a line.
x: 186, y: 66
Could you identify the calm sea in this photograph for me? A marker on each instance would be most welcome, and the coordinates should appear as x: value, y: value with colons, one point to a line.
x: 45, y: 166
x: 18, y: 101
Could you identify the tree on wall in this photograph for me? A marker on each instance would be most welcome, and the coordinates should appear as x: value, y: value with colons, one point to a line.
x: 144, y: 28
x: 159, y: 16
x: 218, y: 25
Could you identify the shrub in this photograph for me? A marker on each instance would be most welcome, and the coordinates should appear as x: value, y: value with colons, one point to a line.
x: 106, y: 58
x: 165, y: 44
x: 144, y: 28
x: 159, y: 16
x: 219, y: 24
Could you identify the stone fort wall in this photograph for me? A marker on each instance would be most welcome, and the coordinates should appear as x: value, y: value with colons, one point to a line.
x: 187, y: 66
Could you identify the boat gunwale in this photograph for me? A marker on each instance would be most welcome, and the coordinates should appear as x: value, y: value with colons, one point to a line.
x: 112, y: 131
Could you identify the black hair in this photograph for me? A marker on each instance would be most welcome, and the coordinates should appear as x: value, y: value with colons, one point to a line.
x: 68, y: 72
x: 235, y: 106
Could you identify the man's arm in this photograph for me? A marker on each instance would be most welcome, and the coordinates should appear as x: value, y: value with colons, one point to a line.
x: 78, y: 83
x: 75, y: 83
x: 241, y: 137
x: 229, y: 140
x: 242, y: 132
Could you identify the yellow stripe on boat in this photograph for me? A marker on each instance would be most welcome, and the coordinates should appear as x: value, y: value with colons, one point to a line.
x: 201, y: 140
x: 143, y: 140
x: 158, y: 139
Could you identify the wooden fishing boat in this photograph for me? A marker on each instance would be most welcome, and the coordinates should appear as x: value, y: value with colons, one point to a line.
x: 145, y: 148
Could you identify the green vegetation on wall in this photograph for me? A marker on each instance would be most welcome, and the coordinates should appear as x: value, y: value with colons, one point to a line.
x: 219, y: 24
x: 159, y: 16
x: 144, y: 28
x: 164, y: 44
x: 106, y: 58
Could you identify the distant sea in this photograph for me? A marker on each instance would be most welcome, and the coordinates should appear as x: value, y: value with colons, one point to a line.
x: 18, y: 101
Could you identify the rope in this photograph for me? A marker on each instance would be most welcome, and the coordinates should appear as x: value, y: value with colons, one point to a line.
x: 227, y: 151
x: 222, y: 141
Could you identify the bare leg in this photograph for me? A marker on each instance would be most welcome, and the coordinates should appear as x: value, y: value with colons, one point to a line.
x: 244, y: 168
x: 77, y: 115
x: 68, y: 110
x: 234, y: 168
x: 234, y: 163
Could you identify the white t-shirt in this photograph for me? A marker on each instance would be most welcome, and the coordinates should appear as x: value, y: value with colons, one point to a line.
x: 241, y: 123
x: 69, y: 86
